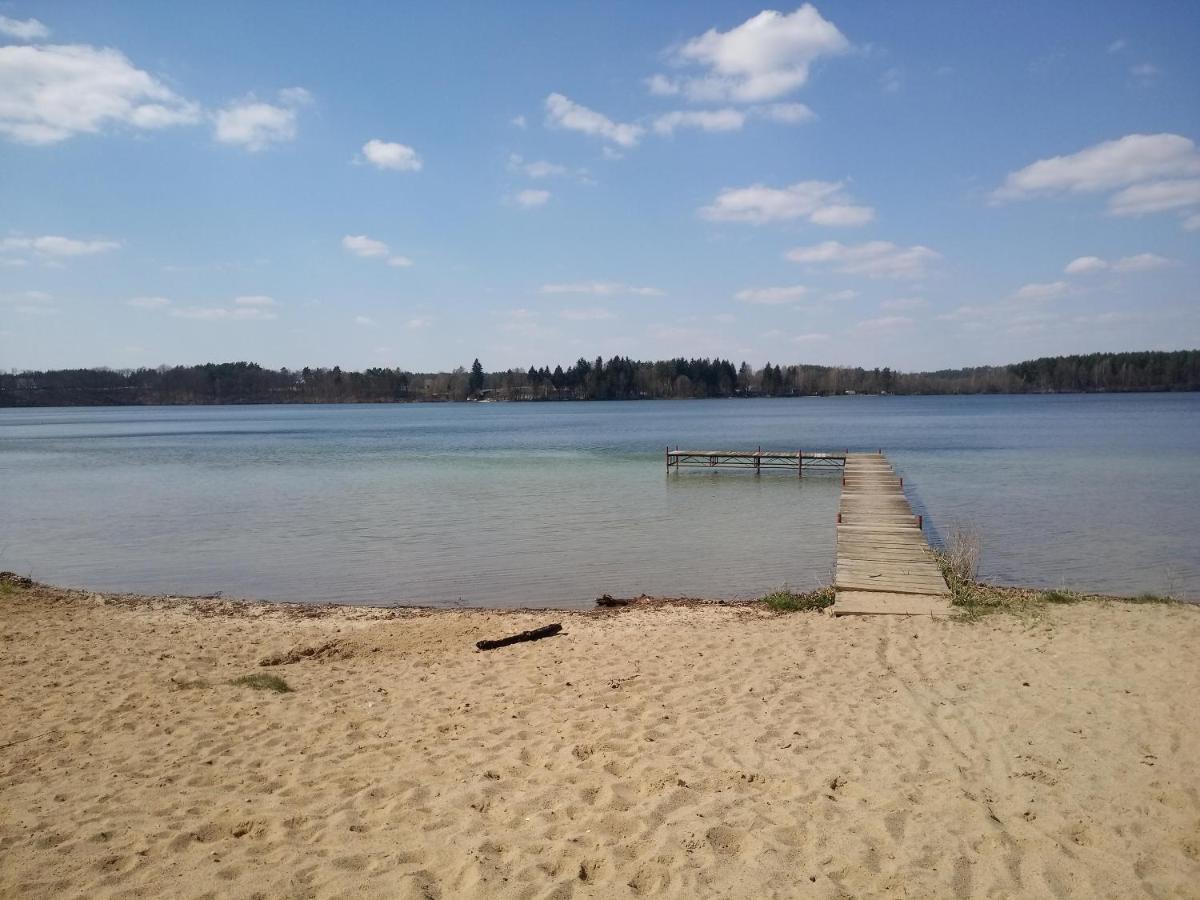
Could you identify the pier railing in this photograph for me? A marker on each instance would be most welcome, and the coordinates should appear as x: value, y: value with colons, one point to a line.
x: 754, y: 460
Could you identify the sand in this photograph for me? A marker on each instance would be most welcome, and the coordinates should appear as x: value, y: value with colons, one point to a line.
x: 661, y: 750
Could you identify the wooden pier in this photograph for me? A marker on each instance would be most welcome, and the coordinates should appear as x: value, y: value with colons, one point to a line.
x: 884, y: 564
x: 755, y: 460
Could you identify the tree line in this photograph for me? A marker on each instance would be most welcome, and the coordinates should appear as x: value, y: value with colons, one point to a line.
x: 619, y: 378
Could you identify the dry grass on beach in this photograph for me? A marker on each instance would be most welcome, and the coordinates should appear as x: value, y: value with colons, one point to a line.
x: 650, y: 750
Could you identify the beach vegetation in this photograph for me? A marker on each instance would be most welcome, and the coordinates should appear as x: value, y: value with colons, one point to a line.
x: 787, y: 600
x: 260, y: 681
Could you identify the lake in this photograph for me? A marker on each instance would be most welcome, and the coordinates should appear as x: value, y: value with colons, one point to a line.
x: 553, y: 504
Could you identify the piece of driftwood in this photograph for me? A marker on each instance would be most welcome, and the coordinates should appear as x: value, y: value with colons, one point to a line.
x: 610, y: 600
x: 534, y: 635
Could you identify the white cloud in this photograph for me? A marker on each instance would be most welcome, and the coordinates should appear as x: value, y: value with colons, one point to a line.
x: 23, y: 29
x: 518, y: 121
x: 149, y: 302
x: 1155, y: 196
x: 1117, y: 46
x: 835, y: 296
x: 255, y: 300
x: 417, y: 323
x: 967, y: 314
x: 369, y: 248
x: 771, y: 296
x: 875, y: 259
x: 1085, y: 264
x: 765, y: 57
x: 885, y: 324
x: 51, y: 93
x: 256, y: 125
x: 662, y: 86
x: 592, y: 314
x: 361, y: 245
x: 561, y: 112
x: 891, y: 81
x: 539, y: 168
x: 1105, y: 166
x: 363, y: 320
x: 703, y: 119
x: 1040, y: 291
x: 1145, y: 71
x: 386, y: 155
x: 813, y: 337
x: 532, y: 197
x: 821, y: 202
x: 787, y: 113
x: 53, y: 246
x: 1141, y: 262
x: 222, y: 314
x: 1192, y: 222
x: 601, y: 288
x: 904, y: 303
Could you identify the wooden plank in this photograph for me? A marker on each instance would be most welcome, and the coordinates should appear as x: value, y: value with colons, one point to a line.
x: 884, y: 565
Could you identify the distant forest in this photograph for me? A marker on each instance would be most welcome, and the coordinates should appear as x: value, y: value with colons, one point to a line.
x: 616, y: 379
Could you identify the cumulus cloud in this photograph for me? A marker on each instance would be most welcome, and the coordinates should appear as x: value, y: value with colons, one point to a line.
x: 702, y: 119
x: 387, y: 155
x: 148, y: 302
x: 225, y: 314
x: 875, y: 259
x: 23, y: 29
x: 255, y: 300
x: 1148, y: 173
x: 1105, y: 166
x: 601, y: 288
x: 562, y: 112
x: 538, y: 168
x: 369, y: 248
x: 1155, y: 196
x: 787, y: 113
x: 771, y: 296
x: 256, y: 125
x: 885, y: 324
x: 53, y: 247
x: 820, y: 202
x: 1041, y: 291
x: 51, y: 93
x: 590, y: 314
x: 767, y: 56
x: 532, y: 197
x: 1141, y: 262
x: 1085, y: 264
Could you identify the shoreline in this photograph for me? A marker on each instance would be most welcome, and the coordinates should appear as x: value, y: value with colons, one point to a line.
x: 665, y: 748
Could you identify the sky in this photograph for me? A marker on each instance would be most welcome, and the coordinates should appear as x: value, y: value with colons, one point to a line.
x: 915, y: 185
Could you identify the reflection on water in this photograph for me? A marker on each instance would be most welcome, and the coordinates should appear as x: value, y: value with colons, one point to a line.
x: 553, y: 504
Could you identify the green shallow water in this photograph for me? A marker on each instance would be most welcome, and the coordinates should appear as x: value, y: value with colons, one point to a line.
x: 554, y: 504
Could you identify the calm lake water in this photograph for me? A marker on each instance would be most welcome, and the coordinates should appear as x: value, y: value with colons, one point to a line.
x: 554, y: 504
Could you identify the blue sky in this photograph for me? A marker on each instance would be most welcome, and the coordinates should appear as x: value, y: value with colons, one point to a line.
x: 869, y: 183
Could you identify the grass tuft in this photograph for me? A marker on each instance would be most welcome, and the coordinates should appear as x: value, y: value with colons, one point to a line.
x: 787, y: 600
x: 263, y: 682
x: 1060, y: 597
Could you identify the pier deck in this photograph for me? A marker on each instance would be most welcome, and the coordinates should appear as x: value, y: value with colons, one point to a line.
x: 884, y: 564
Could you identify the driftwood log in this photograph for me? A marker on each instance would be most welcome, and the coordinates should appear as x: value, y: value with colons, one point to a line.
x: 535, y: 634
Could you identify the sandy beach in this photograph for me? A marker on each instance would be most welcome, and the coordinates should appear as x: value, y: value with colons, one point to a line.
x: 655, y: 750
